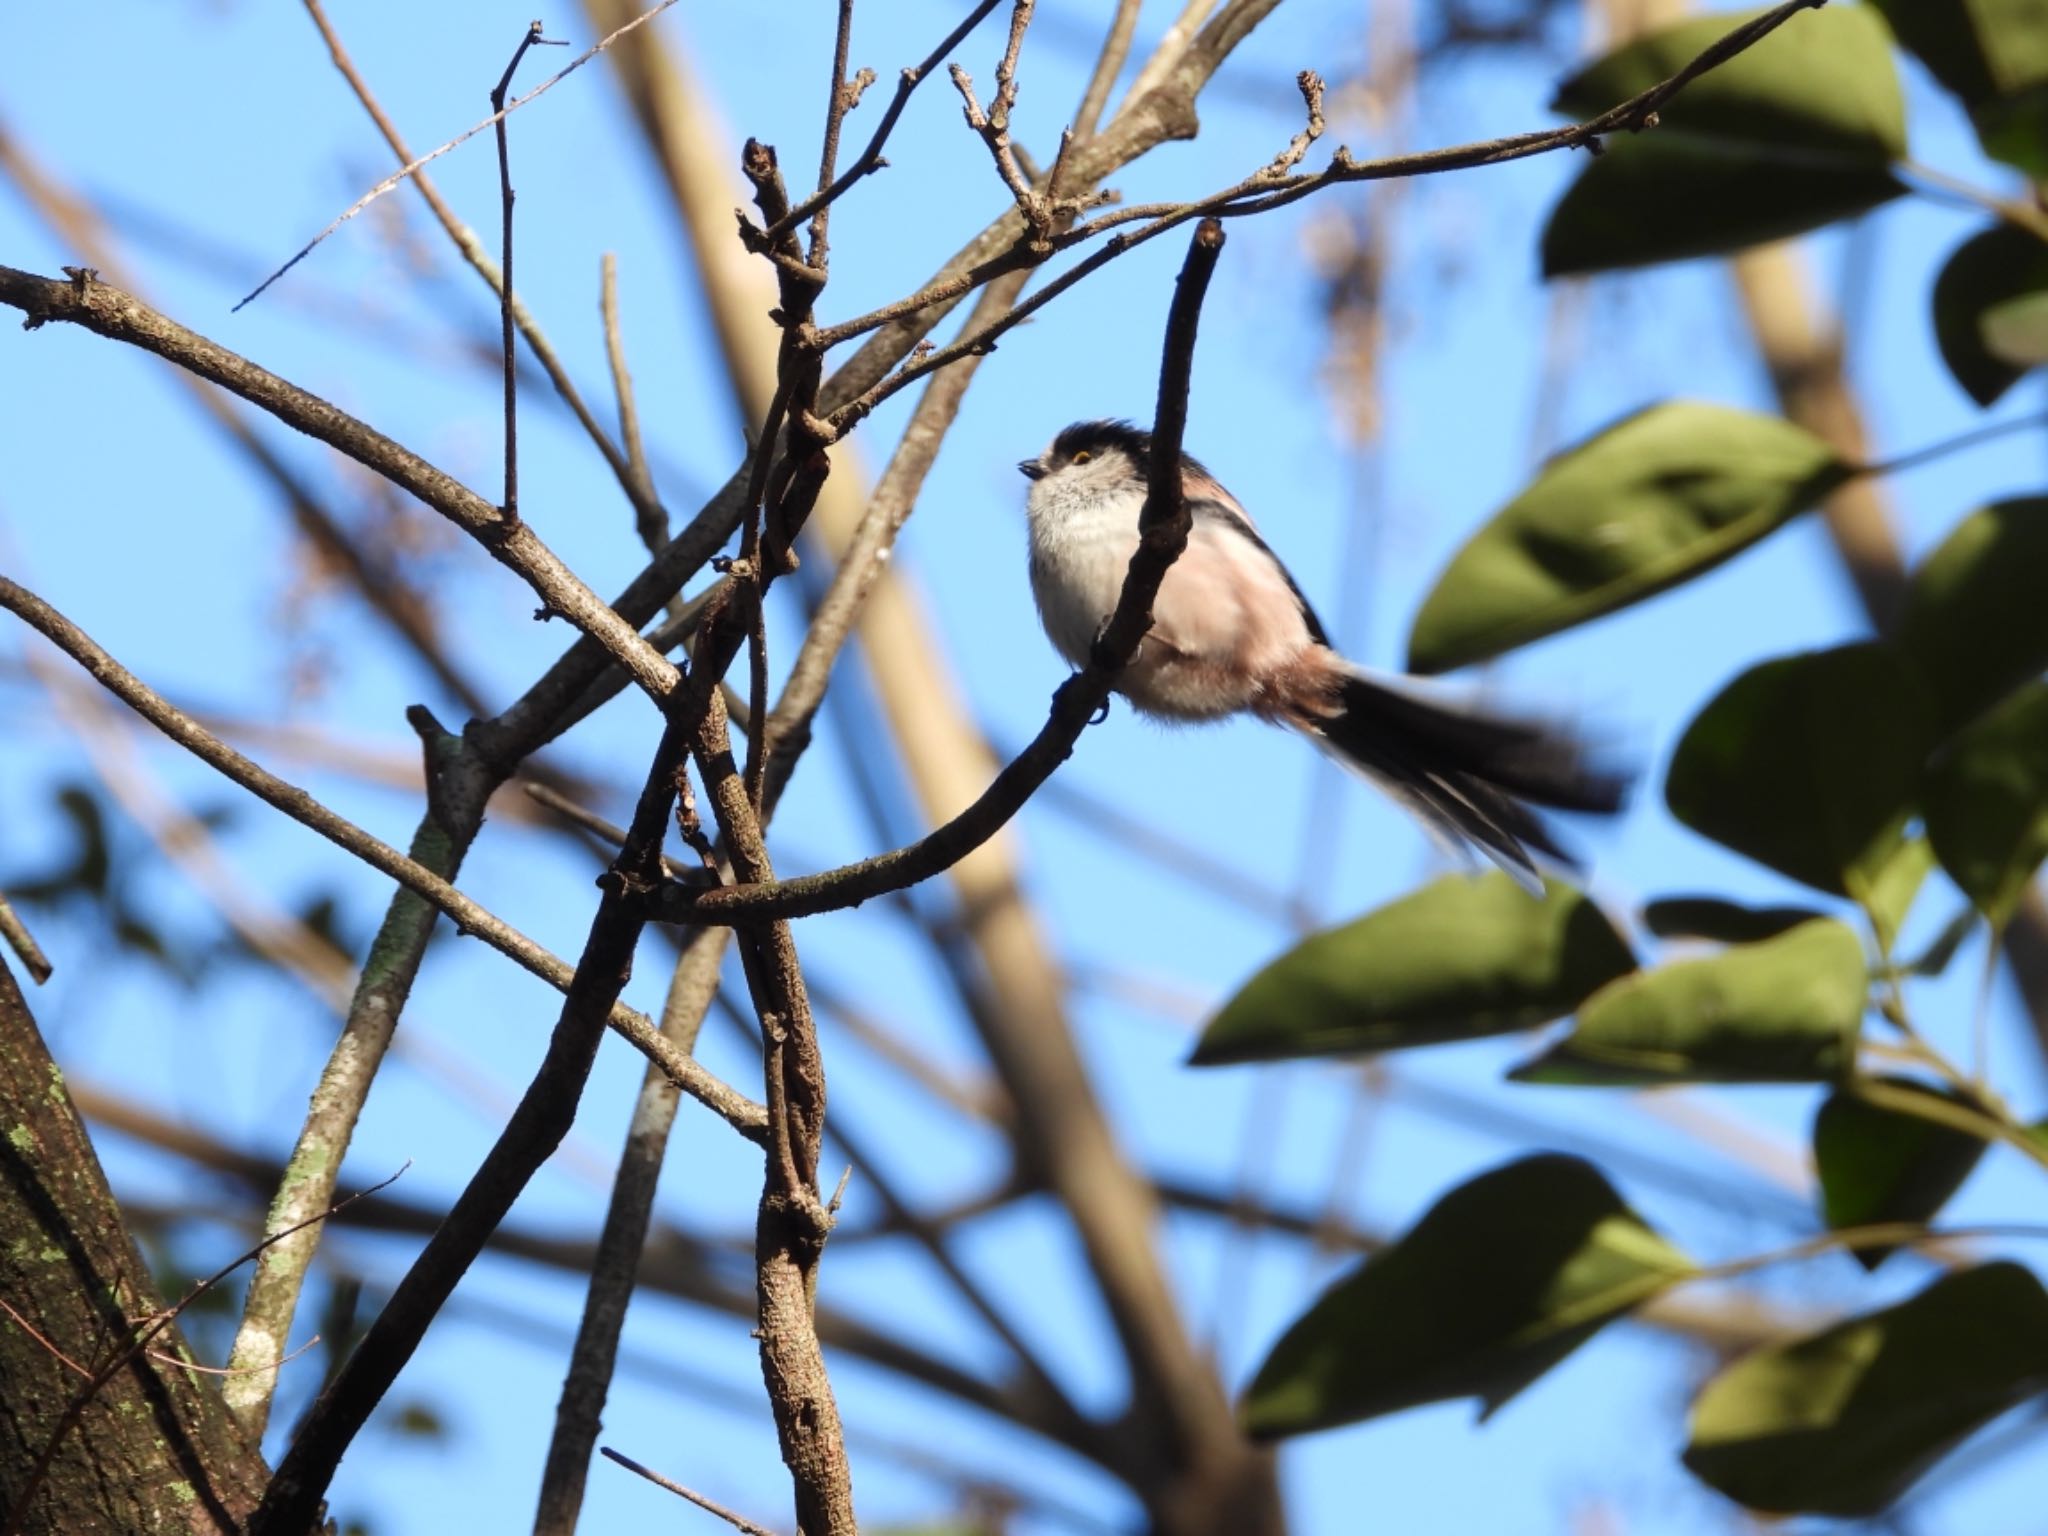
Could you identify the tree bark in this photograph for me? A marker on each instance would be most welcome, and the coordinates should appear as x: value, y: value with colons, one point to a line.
x: 151, y: 1447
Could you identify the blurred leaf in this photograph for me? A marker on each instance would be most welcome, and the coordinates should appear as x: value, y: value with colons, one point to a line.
x: 93, y: 866
x: 1785, y: 1010
x: 1883, y: 1165
x: 416, y: 1420
x: 1660, y: 496
x: 1889, y: 897
x: 1504, y: 1277
x: 2016, y: 331
x: 1724, y: 922
x: 1935, y: 958
x: 1807, y: 764
x: 1983, y: 274
x: 1975, y: 624
x: 1994, y: 55
x: 323, y: 915
x: 1845, y: 1421
x: 1823, y: 83
x: 1653, y: 199
x: 1794, y: 133
x: 1460, y: 958
x: 1986, y: 800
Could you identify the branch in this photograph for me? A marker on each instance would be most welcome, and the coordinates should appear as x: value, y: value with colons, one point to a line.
x: 546, y: 1110
x: 506, y: 198
x: 743, y: 1115
x: 871, y: 159
x: 118, y: 316
x: 639, y: 490
x: 23, y: 943
x: 405, y: 171
x: 1163, y: 525
x: 738, y: 1522
x: 1264, y: 190
x: 615, y: 1267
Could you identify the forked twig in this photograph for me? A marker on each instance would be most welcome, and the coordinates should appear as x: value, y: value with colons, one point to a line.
x: 399, y: 175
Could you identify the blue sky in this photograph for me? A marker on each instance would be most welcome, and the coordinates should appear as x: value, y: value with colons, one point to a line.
x: 224, y: 122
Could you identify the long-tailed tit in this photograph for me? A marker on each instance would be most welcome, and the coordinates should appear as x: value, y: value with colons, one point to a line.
x: 1231, y: 632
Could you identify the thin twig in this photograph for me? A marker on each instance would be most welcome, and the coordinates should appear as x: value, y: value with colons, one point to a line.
x: 615, y: 1268
x: 844, y: 95
x: 1263, y: 191
x: 1078, y: 700
x: 22, y: 942
x: 147, y: 1330
x: 743, y: 1115
x: 545, y: 1112
x: 1116, y: 48
x: 649, y: 515
x: 736, y: 1521
x: 406, y: 170
x: 639, y: 488
x: 109, y: 312
x: 871, y: 158
x: 510, y: 505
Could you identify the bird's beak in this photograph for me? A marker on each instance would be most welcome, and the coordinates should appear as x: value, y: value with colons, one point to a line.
x: 1031, y: 469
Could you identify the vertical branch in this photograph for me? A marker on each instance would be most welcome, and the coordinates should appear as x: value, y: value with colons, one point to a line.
x: 505, y: 194
x: 621, y: 1243
x: 648, y: 513
x: 546, y: 1110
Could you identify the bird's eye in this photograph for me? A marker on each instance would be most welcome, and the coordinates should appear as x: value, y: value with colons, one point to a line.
x: 1082, y: 457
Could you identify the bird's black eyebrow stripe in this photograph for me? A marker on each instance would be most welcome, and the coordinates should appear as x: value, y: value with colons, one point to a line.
x: 1098, y: 436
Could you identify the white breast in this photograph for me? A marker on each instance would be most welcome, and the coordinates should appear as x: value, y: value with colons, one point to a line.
x: 1081, y: 546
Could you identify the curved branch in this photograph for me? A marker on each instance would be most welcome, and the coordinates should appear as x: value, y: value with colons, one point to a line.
x: 745, y: 1116
x: 1163, y: 526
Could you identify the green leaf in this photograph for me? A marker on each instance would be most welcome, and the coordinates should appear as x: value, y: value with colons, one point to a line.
x: 1975, y: 623
x: 1659, y: 497
x: 1889, y: 896
x: 1986, y: 799
x: 1994, y: 55
x: 1822, y: 84
x: 1794, y: 133
x: 1941, y: 949
x: 1845, y: 1421
x: 1785, y: 1010
x: 1982, y: 276
x: 1807, y: 764
x: 1724, y: 922
x: 1503, y: 1278
x: 1461, y: 958
x: 1654, y: 200
x: 1884, y: 1165
x: 2016, y: 331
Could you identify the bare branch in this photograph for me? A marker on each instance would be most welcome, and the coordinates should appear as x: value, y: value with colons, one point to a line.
x: 737, y: 1522
x: 467, y: 134
x: 638, y: 488
x: 638, y: 478
x: 1164, y: 534
x: 23, y: 943
x: 510, y: 505
x: 745, y: 1116
x: 615, y: 1266
x: 118, y: 316
x: 1116, y: 48
x: 871, y: 158
x: 545, y: 1112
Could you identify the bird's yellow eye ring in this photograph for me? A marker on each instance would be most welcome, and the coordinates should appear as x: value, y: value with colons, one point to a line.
x: 1083, y: 456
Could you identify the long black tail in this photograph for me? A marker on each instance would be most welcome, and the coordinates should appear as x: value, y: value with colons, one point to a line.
x: 1467, y: 773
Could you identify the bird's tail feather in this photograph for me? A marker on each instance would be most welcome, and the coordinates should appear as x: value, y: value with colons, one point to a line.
x: 1467, y: 773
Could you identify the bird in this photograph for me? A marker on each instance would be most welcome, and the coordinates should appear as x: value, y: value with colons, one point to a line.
x: 1232, y: 634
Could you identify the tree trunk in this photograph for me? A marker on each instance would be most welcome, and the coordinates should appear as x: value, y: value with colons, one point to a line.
x: 149, y: 1448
